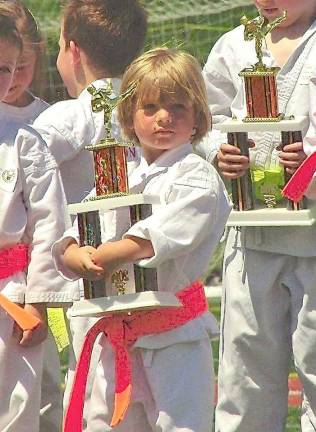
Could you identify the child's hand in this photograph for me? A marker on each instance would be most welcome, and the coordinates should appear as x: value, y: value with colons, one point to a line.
x: 79, y: 261
x: 29, y: 338
x: 230, y: 162
x: 291, y: 156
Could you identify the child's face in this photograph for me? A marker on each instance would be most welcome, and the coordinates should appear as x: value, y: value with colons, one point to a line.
x: 160, y: 126
x: 8, y: 58
x: 296, y: 9
x: 64, y: 66
x: 22, y: 78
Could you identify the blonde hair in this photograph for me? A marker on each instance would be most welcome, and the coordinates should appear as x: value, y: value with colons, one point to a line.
x: 164, y: 74
x: 29, y: 32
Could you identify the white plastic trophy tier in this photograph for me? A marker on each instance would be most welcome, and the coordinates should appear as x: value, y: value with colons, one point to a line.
x: 126, y: 289
x: 262, y: 215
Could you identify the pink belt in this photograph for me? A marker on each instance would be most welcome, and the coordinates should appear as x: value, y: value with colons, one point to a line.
x: 14, y: 260
x: 122, y: 331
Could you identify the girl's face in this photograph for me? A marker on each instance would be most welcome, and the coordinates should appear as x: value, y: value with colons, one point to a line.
x: 22, y: 79
x: 297, y: 10
x: 9, y: 55
x: 163, y: 125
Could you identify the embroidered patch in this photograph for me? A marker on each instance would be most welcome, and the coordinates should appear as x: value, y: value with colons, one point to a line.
x: 8, y: 179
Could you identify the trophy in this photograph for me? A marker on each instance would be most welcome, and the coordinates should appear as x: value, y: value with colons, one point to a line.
x: 126, y: 289
x: 257, y: 195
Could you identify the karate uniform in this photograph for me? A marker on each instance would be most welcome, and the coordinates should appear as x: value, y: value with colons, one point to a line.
x: 269, y: 273
x: 32, y: 211
x: 172, y: 372
x: 51, y: 395
x: 67, y: 127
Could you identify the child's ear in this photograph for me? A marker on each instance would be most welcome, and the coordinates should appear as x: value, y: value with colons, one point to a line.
x: 75, y: 52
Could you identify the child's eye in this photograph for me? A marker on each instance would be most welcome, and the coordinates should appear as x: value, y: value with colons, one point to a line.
x: 5, y: 69
x: 149, y: 107
x: 177, y: 107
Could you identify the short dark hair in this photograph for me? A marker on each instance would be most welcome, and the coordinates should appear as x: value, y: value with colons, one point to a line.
x: 9, y: 32
x: 110, y: 32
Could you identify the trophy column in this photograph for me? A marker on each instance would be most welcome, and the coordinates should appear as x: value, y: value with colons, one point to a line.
x: 242, y: 186
x: 291, y: 137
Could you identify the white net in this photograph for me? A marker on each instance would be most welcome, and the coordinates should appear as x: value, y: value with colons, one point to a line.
x: 162, y: 10
x: 193, y: 25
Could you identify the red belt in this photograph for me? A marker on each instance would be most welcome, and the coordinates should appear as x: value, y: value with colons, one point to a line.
x: 14, y: 260
x: 122, y: 331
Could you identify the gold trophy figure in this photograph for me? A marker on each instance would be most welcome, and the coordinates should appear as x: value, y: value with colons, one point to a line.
x: 257, y: 29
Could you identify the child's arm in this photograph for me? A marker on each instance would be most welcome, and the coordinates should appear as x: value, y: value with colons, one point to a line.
x: 113, y: 254
x: 46, y: 216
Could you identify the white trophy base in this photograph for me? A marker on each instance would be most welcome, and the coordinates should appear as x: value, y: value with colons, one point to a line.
x: 112, y: 203
x: 273, y: 217
x: 231, y: 125
x: 124, y: 303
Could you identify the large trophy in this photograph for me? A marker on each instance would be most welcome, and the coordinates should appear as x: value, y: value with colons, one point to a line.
x: 257, y: 195
x: 126, y: 290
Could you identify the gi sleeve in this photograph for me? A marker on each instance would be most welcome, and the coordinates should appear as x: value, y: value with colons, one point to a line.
x: 220, y: 93
x: 45, y: 204
x: 194, y: 205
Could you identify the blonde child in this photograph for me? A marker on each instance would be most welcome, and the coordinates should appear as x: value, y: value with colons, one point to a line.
x: 32, y: 215
x: 22, y: 105
x: 269, y: 273
x: 172, y: 371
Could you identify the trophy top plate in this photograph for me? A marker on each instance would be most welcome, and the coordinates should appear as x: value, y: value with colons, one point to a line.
x: 112, y: 203
x: 253, y: 72
x: 124, y: 303
x: 286, y: 125
x: 273, y: 217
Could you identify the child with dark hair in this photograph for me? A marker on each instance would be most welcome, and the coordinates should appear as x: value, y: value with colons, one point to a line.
x: 98, y: 39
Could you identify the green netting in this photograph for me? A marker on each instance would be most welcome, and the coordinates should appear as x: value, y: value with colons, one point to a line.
x: 190, y: 24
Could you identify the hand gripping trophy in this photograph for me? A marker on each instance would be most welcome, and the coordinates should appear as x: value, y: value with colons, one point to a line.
x: 262, y: 116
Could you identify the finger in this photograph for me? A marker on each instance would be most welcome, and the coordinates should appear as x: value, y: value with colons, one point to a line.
x: 17, y: 332
x: 26, y: 338
x: 293, y: 147
x: 232, y: 167
x: 300, y: 156
x: 228, y: 148
x: 233, y: 175
x: 291, y: 163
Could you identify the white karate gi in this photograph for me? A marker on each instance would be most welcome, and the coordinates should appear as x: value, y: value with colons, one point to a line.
x: 172, y: 374
x: 67, y: 127
x: 267, y: 271
x: 51, y: 395
x: 32, y: 211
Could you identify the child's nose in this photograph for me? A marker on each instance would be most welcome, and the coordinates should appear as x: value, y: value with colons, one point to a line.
x: 164, y: 116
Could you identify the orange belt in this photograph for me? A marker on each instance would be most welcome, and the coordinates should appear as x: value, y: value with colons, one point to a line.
x: 122, y: 331
x: 14, y: 260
